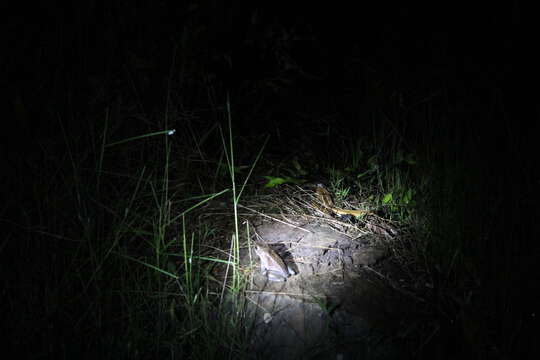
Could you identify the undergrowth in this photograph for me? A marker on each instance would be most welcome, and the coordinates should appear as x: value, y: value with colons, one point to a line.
x: 114, y: 253
x: 113, y: 261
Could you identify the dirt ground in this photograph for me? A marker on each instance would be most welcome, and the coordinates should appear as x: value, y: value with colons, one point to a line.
x: 335, y: 307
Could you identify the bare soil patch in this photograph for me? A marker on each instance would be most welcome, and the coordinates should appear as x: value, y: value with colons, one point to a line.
x: 336, y: 306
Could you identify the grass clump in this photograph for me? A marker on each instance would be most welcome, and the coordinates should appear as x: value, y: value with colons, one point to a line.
x: 125, y: 261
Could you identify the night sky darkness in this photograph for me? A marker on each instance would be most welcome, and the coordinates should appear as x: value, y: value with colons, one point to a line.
x: 73, y: 59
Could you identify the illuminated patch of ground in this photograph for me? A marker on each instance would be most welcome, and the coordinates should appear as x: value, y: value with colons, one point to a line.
x: 336, y: 304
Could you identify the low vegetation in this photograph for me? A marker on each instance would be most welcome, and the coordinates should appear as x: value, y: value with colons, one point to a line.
x: 124, y: 222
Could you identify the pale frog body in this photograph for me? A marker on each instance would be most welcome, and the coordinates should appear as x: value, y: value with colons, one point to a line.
x: 272, y: 265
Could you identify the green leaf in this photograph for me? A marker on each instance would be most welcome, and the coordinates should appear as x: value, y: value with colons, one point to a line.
x: 275, y: 181
x: 407, y: 197
x: 361, y: 175
x: 410, y: 159
x: 297, y: 165
x: 387, y: 198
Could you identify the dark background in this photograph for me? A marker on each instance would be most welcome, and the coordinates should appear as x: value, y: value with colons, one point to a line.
x: 478, y: 53
x: 282, y: 65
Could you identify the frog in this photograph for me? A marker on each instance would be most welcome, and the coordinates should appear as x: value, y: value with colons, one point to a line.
x: 272, y: 265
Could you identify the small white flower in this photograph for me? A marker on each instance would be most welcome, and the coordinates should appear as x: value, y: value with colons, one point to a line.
x: 171, y: 132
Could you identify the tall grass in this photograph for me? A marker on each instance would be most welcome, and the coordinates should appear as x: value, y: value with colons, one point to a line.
x: 460, y: 197
x: 112, y: 261
x: 110, y: 257
x: 451, y: 187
